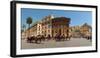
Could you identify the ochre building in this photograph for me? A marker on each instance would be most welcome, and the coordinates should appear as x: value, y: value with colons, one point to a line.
x: 49, y: 25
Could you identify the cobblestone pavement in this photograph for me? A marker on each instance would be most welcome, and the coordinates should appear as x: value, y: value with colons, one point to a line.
x: 73, y: 42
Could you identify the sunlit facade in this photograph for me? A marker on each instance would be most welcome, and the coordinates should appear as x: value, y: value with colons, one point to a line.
x: 80, y: 31
x: 50, y: 25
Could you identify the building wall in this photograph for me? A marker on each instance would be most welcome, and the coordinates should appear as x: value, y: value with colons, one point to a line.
x: 61, y: 26
x: 80, y: 31
x: 50, y: 26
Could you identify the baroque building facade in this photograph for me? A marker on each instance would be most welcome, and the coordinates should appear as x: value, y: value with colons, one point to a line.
x: 49, y: 25
x: 52, y: 26
x: 80, y: 31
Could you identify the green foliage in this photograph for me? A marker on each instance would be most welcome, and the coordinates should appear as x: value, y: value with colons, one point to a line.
x: 29, y: 20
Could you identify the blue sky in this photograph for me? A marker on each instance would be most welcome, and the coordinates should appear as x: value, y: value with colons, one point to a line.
x: 77, y: 17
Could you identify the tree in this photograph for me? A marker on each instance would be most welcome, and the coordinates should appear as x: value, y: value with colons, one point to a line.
x: 24, y: 27
x: 24, y: 30
x: 29, y: 22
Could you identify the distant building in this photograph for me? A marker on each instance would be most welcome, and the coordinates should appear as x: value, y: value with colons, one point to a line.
x: 80, y: 31
x: 75, y: 31
x: 86, y: 29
